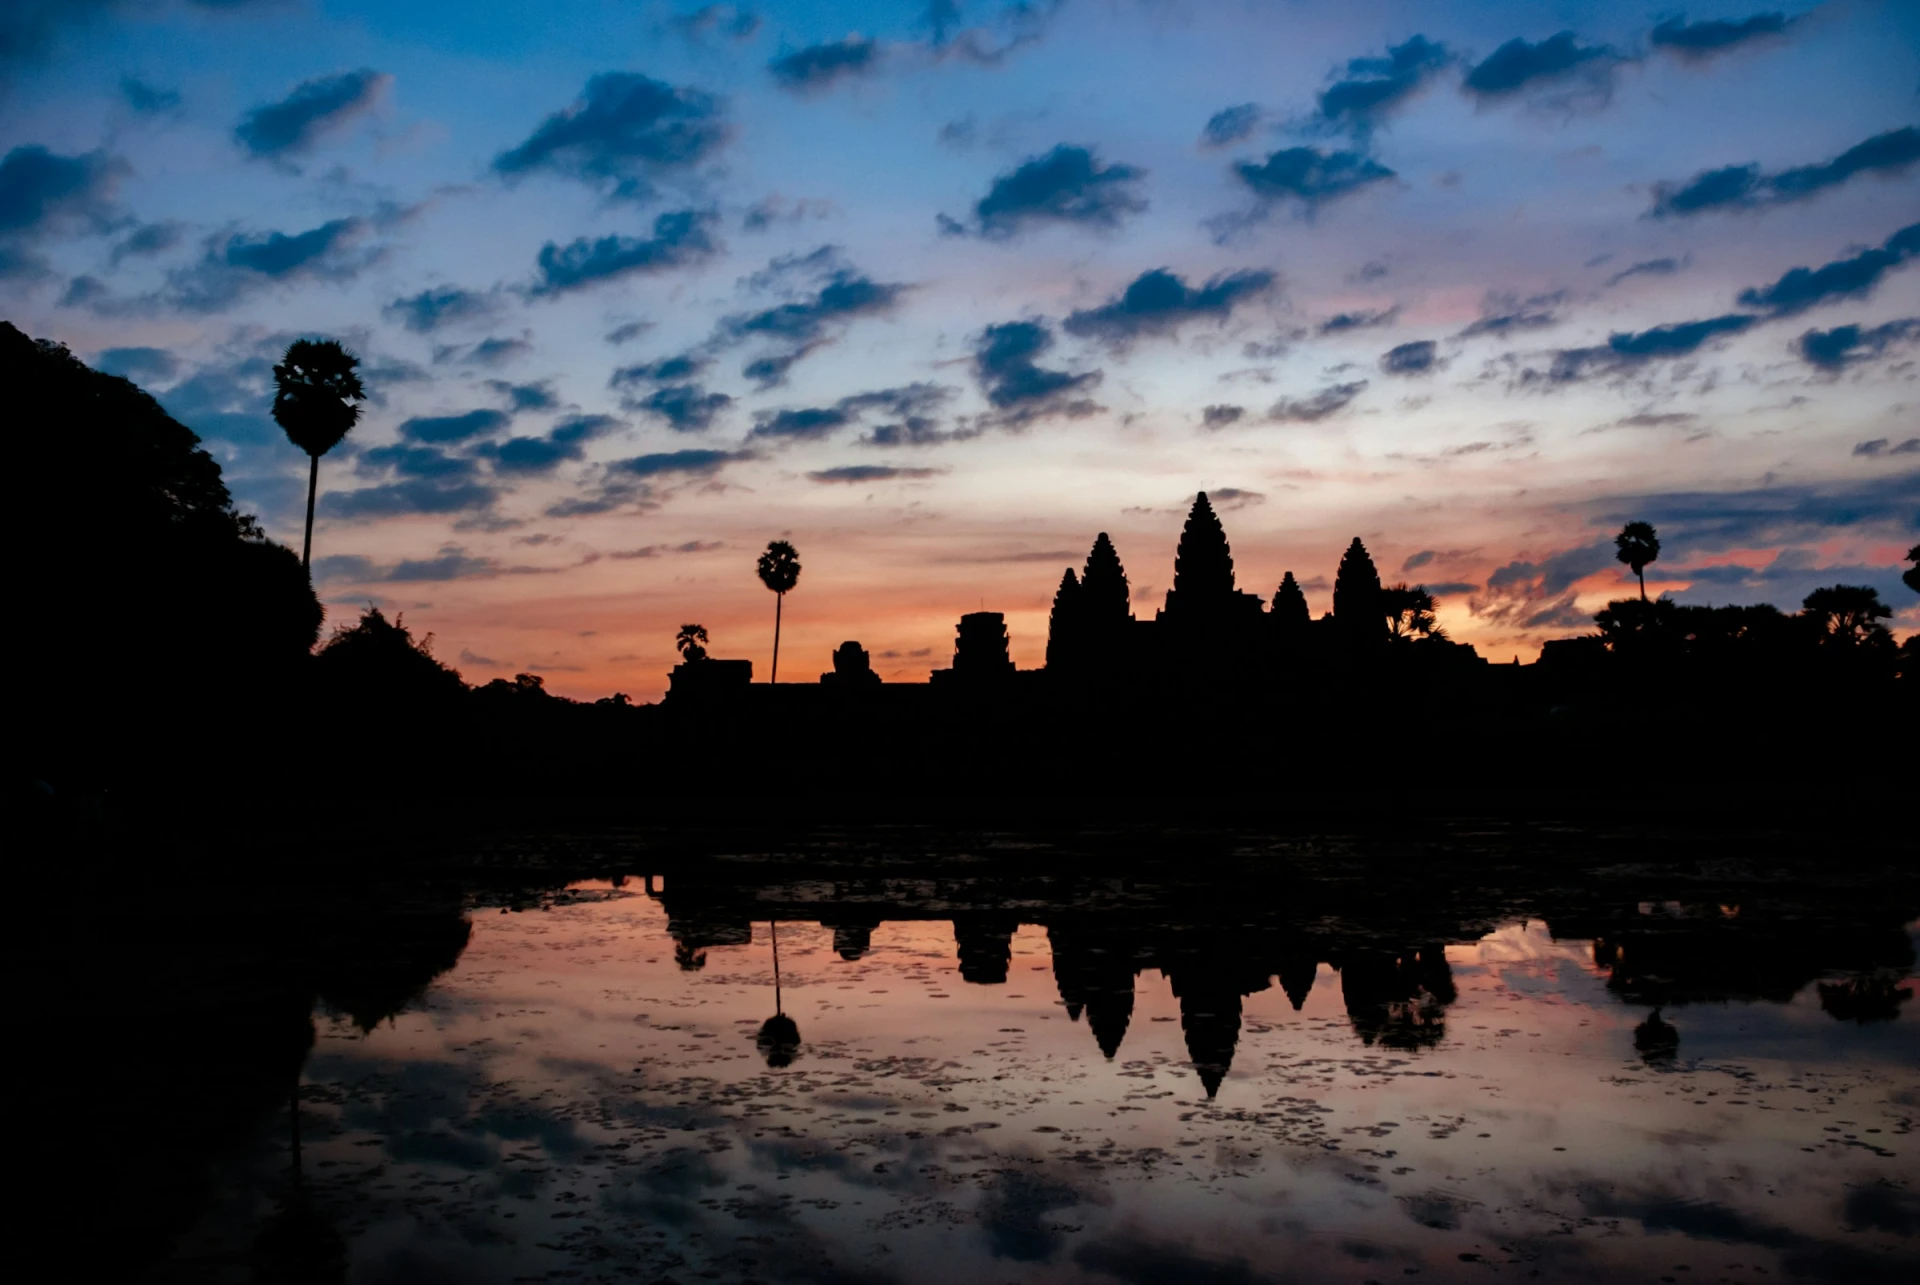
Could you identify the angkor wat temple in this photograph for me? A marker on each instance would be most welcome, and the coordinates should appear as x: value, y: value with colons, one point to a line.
x: 1210, y: 636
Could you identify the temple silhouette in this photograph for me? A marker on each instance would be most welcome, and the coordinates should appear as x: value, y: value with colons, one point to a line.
x: 1209, y: 638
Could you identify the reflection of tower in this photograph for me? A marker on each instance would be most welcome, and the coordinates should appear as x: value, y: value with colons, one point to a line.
x: 1298, y: 969
x: 1210, y: 1019
x: 1095, y: 975
x: 852, y: 935
x: 985, y: 941
x: 1398, y: 1000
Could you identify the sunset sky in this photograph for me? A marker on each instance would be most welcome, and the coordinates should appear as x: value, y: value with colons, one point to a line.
x: 939, y: 291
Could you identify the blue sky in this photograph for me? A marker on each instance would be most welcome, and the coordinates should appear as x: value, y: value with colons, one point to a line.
x: 940, y: 292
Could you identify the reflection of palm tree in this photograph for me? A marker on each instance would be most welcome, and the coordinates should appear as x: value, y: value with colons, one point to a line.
x: 298, y: 1245
x: 779, y: 1037
x: 1637, y: 545
x: 316, y: 401
x: 779, y: 570
x: 1657, y: 1041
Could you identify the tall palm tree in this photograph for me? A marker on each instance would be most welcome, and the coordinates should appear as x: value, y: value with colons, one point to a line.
x: 1637, y: 545
x: 316, y: 400
x: 779, y: 570
x: 691, y: 643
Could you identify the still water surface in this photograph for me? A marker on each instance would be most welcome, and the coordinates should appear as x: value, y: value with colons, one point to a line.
x: 980, y: 1084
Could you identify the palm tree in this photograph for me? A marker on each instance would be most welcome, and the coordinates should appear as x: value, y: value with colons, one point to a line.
x: 779, y: 1036
x: 691, y: 643
x: 316, y: 396
x: 1637, y: 545
x: 779, y: 570
x: 1410, y: 611
x: 1911, y: 576
x: 1848, y: 614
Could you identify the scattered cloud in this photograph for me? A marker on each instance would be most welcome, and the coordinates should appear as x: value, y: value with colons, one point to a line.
x: 1625, y: 350
x: 491, y: 352
x: 148, y: 100
x: 414, y: 496
x: 685, y: 408
x: 1539, y: 593
x: 566, y: 441
x: 1230, y: 125
x: 1308, y: 410
x: 455, y: 428
x: 680, y: 238
x: 1747, y: 187
x: 1005, y: 360
x: 1417, y: 358
x: 1066, y: 185
x: 666, y: 463
x: 42, y: 191
x: 1221, y: 415
x: 662, y: 550
x: 1363, y: 319
x: 1504, y: 314
x: 1373, y: 87
x: 627, y: 331
x: 432, y: 308
x: 1234, y: 497
x: 1160, y: 302
x: 148, y: 240
x: 1664, y: 267
x: 236, y: 265
x: 319, y: 106
x: 141, y: 365
x: 1803, y: 288
x: 856, y: 474
x: 1849, y: 345
x: 664, y: 370
x: 1883, y: 446
x: 1698, y: 41
x: 731, y: 21
x: 818, y: 67
x: 1309, y: 175
x: 911, y: 405
x: 1557, y: 62
x: 803, y: 324
x: 526, y: 397
x: 625, y: 132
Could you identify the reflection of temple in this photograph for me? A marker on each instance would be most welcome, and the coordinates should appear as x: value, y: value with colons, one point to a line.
x: 1388, y: 949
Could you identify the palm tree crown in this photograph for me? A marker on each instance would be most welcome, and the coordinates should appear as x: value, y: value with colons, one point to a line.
x: 779, y: 567
x: 1637, y: 545
x: 691, y: 643
x: 316, y: 395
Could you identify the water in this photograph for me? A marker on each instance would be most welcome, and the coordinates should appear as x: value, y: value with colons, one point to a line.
x: 1646, y: 1072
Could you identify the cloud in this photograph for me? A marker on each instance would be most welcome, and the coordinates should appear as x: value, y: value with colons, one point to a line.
x: 1881, y: 446
x: 418, y: 496
x: 1221, y: 415
x: 627, y: 330
x: 913, y: 405
x: 1230, y: 125
x: 146, y: 99
x: 665, y: 370
x: 818, y: 67
x: 680, y: 238
x: 1005, y: 358
x: 1307, y: 410
x: 525, y: 397
x: 1519, y: 65
x: 455, y: 428
x: 1159, y: 302
x: 729, y: 20
x: 1416, y: 358
x: 1066, y: 185
x: 1646, y: 268
x: 1803, y: 288
x: 1538, y: 593
x: 413, y: 461
x: 1697, y: 41
x: 1373, y: 87
x: 1626, y: 349
x: 1848, y: 345
x: 625, y: 131
x: 141, y: 365
x: 452, y: 563
x: 1234, y: 497
x: 315, y: 107
x: 1503, y: 314
x: 427, y: 311
x: 1309, y: 175
x: 1015, y: 25
x: 149, y: 239
x: 1341, y: 322
x: 238, y: 264
x: 537, y: 455
x: 860, y: 473
x: 686, y: 408
x: 1709, y: 521
x: 804, y: 324
x: 42, y: 191
x: 493, y: 351
x: 664, y: 463
x: 660, y: 550
x: 1746, y: 187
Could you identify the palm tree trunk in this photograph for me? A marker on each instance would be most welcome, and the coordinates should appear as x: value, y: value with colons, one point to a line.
x: 773, y: 931
x: 1642, y: 573
x: 313, y: 485
x: 779, y: 601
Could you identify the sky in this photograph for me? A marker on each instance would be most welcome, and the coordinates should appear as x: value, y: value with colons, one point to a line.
x: 938, y: 291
